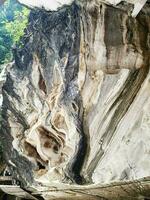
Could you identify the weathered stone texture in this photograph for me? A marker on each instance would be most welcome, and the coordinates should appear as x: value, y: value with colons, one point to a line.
x: 76, y: 100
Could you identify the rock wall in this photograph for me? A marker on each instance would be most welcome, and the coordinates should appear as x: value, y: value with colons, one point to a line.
x: 76, y: 100
x: 53, y: 5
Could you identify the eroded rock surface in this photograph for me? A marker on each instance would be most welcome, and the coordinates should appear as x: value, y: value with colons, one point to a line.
x: 76, y: 100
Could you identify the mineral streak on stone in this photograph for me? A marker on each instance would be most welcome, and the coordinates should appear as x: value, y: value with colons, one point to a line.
x: 76, y: 100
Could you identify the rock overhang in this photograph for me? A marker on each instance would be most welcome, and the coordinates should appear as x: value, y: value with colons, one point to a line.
x: 54, y: 5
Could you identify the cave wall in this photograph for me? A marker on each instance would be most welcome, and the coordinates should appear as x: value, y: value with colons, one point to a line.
x: 76, y: 99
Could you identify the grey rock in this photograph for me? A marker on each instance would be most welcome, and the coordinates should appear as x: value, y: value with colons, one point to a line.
x: 76, y: 100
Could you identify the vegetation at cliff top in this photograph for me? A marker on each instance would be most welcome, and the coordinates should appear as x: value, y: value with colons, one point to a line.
x: 13, y: 21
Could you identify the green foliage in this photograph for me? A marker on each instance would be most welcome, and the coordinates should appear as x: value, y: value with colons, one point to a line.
x: 13, y: 21
x: 5, y: 45
x: 16, y: 27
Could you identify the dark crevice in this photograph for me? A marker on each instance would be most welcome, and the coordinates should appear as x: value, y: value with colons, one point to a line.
x: 40, y: 165
x: 75, y: 168
x: 42, y: 84
x: 79, y: 159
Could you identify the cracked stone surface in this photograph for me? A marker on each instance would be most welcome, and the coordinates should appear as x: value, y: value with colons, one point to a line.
x: 76, y: 99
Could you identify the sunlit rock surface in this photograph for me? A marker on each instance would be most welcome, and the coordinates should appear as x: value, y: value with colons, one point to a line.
x: 46, y: 4
x: 76, y: 100
x: 53, y: 5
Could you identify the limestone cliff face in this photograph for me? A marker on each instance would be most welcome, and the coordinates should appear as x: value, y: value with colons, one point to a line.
x: 76, y: 100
